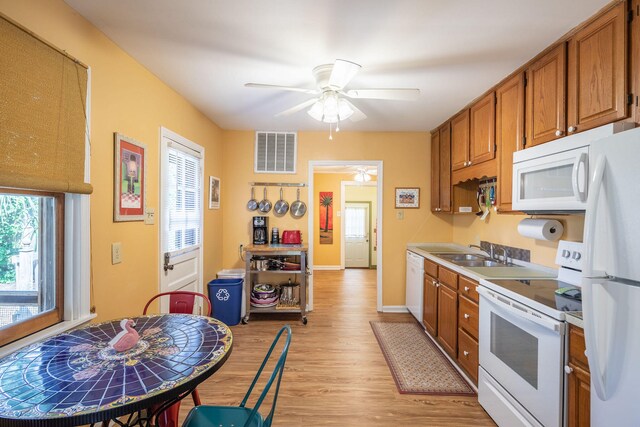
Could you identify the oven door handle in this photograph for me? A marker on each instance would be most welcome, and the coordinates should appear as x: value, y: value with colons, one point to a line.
x: 525, y: 315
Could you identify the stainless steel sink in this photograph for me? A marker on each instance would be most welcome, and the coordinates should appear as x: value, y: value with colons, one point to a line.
x: 462, y: 257
x: 483, y: 263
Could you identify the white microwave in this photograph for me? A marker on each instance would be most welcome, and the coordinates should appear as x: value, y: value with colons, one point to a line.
x: 554, y: 177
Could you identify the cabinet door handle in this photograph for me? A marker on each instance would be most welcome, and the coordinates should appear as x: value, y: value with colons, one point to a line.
x: 466, y: 289
x: 466, y: 316
x: 469, y: 163
x: 466, y: 353
x: 572, y: 129
x: 568, y: 369
x: 559, y: 132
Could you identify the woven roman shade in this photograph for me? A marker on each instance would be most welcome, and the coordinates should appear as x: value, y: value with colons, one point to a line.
x: 42, y: 114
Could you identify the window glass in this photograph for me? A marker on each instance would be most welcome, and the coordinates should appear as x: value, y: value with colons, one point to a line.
x: 29, y: 278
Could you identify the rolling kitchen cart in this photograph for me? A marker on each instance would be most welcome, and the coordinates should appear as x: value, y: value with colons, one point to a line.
x: 273, y: 252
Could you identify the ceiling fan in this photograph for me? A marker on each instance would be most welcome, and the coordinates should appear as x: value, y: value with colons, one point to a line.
x: 331, y: 104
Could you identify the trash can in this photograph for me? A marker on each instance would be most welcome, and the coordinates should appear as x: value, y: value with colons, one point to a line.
x: 236, y: 273
x: 225, y: 296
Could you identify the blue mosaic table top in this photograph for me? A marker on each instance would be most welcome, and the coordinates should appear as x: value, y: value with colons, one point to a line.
x: 76, y: 377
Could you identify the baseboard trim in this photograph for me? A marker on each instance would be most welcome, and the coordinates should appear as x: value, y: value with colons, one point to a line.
x: 394, y: 309
x: 327, y: 267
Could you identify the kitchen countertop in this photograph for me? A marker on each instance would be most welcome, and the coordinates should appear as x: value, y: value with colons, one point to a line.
x: 275, y: 248
x: 524, y: 269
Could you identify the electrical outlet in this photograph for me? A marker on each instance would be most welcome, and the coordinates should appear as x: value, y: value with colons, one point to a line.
x: 116, y: 253
x: 400, y: 214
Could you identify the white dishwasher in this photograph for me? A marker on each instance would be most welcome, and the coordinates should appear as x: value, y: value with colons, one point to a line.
x: 415, y: 289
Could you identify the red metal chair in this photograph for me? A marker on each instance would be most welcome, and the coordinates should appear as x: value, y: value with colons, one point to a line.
x: 180, y: 302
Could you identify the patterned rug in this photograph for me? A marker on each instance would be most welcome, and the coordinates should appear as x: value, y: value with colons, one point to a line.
x: 417, y: 365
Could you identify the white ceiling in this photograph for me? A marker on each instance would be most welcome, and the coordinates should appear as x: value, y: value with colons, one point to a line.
x: 451, y: 50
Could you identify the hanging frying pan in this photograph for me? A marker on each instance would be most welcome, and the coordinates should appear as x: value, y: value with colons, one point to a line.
x: 265, y: 205
x: 298, y: 208
x: 281, y: 207
x: 252, y: 204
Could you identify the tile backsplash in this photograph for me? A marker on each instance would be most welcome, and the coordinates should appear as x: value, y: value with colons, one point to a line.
x: 513, y: 253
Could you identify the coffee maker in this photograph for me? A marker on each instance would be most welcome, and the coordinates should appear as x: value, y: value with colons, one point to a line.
x: 260, y: 230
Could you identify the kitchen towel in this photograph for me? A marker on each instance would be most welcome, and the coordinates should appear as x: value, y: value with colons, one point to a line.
x: 541, y: 229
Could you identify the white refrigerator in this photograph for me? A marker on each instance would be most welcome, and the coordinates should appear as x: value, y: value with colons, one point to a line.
x: 611, y: 279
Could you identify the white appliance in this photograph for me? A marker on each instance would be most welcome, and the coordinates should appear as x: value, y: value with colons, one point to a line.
x: 611, y: 280
x: 553, y: 177
x: 415, y: 289
x: 522, y: 343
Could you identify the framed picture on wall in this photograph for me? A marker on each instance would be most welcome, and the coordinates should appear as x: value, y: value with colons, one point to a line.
x: 130, y: 179
x: 407, y: 198
x: 214, y: 192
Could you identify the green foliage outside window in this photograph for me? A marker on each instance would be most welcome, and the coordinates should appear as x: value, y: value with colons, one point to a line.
x: 17, y: 214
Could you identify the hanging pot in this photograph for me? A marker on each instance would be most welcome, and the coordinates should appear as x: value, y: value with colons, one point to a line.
x: 281, y: 207
x: 265, y: 205
x: 252, y: 204
x: 298, y: 208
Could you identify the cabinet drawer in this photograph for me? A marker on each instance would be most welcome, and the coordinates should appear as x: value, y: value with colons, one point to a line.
x: 577, y: 347
x: 468, y: 354
x: 468, y: 316
x: 448, y: 277
x: 431, y: 268
x: 467, y: 288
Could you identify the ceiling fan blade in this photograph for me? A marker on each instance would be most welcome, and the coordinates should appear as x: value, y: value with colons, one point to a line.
x: 357, y: 114
x: 289, y: 88
x: 296, y: 108
x: 342, y: 73
x: 389, y: 94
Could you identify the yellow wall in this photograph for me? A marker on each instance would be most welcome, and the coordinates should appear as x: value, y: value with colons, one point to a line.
x: 329, y: 254
x: 405, y: 159
x: 502, y: 229
x: 366, y: 194
x: 125, y: 98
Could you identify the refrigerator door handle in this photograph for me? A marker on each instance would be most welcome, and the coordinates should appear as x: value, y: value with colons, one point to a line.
x: 588, y: 271
x: 575, y: 178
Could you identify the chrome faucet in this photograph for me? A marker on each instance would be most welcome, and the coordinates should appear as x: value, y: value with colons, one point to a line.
x: 491, y: 248
x: 505, y: 255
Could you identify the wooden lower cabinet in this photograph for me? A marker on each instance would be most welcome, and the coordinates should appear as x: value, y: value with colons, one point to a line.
x: 430, y: 305
x: 579, y: 381
x: 468, y: 354
x: 448, y: 319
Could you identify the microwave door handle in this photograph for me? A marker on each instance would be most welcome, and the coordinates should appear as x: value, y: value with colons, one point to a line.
x: 575, y: 176
x: 547, y: 324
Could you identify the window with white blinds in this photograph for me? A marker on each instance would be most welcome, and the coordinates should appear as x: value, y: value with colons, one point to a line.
x: 355, y: 222
x: 183, y: 198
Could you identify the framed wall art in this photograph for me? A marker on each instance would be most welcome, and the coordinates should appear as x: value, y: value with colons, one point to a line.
x: 130, y: 179
x: 214, y: 192
x: 407, y: 198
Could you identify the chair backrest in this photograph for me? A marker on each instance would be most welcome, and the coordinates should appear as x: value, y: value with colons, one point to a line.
x: 182, y: 302
x: 277, y: 372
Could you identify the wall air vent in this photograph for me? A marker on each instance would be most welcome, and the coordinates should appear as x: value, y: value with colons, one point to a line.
x: 275, y: 152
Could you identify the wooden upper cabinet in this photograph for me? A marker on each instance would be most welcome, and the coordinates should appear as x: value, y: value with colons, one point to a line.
x: 597, y: 72
x: 460, y: 140
x: 445, y: 168
x: 435, y: 170
x: 546, y: 93
x: 509, y: 134
x: 482, y: 136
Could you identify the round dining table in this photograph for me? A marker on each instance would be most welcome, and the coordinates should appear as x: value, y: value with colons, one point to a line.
x: 77, y: 378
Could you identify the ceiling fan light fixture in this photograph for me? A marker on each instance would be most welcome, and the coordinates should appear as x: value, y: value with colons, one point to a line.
x: 317, y: 110
x: 362, y: 176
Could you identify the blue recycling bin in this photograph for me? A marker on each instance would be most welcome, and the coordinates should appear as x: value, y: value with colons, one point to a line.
x: 226, y: 300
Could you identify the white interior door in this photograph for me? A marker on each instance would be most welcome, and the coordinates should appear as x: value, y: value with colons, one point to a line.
x: 181, y: 198
x: 356, y: 234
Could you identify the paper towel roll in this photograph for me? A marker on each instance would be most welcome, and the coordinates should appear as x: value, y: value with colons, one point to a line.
x: 541, y: 229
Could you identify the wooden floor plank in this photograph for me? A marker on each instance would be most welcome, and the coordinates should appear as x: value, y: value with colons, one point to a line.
x: 336, y: 374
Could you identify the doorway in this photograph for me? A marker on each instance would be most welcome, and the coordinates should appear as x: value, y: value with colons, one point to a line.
x: 180, y: 222
x: 318, y: 208
x: 357, y: 219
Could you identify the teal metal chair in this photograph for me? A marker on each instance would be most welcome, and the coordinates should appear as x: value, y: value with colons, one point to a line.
x: 238, y: 416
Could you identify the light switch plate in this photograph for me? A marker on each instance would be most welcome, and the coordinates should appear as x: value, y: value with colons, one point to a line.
x: 400, y: 214
x: 150, y: 216
x: 116, y: 253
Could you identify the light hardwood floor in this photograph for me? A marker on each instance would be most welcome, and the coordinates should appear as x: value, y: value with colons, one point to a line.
x: 336, y: 374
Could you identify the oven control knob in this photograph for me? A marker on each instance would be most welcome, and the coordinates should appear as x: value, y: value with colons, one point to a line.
x: 577, y: 256
x: 566, y: 253
x: 568, y: 369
